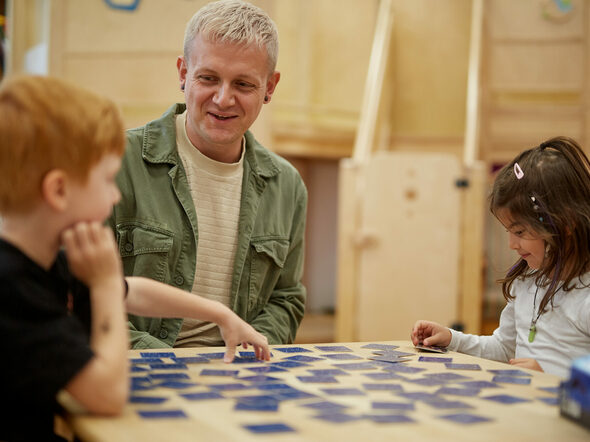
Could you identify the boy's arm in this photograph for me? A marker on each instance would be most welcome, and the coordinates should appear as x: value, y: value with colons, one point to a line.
x: 147, y: 297
x: 102, y: 385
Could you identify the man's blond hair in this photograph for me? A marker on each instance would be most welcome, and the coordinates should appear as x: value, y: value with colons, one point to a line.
x: 234, y: 21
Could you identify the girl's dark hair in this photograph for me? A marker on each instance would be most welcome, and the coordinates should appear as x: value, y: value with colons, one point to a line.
x: 552, y: 198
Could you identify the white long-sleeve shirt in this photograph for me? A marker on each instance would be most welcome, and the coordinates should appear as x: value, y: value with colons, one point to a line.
x: 563, y: 333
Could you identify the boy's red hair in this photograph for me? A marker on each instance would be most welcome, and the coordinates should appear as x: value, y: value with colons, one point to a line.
x: 47, y: 123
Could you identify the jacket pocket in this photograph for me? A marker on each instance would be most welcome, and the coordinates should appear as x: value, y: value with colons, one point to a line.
x: 144, y: 250
x: 268, y: 258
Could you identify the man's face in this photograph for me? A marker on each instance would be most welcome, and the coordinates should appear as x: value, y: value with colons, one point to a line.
x: 224, y: 87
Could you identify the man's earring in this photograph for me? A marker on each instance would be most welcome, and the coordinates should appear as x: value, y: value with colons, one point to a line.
x: 182, y: 87
x: 266, y: 98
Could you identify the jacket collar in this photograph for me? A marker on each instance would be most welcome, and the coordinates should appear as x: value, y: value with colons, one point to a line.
x: 159, y: 145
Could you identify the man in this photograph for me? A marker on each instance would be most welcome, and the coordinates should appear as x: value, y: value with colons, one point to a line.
x: 204, y: 206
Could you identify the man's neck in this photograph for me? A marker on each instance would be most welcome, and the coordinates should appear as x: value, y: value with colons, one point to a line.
x: 224, y: 153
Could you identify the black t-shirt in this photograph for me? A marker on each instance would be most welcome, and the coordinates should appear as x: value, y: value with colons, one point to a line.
x: 45, y: 329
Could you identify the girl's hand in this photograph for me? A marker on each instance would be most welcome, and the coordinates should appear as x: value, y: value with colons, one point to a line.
x: 526, y: 363
x: 92, y: 254
x: 430, y: 333
x: 235, y: 331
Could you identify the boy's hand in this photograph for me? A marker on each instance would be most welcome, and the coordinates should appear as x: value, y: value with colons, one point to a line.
x: 430, y: 333
x: 526, y: 363
x: 92, y: 254
x: 235, y: 331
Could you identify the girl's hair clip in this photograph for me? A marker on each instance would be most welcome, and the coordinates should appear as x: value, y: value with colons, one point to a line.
x: 518, y: 171
x: 536, y: 206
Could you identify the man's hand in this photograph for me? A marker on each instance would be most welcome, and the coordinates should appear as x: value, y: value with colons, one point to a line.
x: 430, y: 333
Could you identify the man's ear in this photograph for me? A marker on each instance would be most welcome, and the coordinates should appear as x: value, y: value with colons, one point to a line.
x: 271, y: 84
x: 54, y: 189
x: 182, y: 69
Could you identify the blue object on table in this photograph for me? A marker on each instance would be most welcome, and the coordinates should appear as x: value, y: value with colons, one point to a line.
x: 574, y: 394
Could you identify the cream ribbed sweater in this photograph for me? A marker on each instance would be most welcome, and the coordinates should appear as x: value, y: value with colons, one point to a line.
x: 216, y: 191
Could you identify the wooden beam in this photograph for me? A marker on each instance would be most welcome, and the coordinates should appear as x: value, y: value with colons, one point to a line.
x: 374, y: 83
x: 346, y: 282
x: 472, y: 123
x: 471, y: 268
x: 350, y: 180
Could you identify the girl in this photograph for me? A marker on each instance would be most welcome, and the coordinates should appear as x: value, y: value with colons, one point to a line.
x: 543, y: 199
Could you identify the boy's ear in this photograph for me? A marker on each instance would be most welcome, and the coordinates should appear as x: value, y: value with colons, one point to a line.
x: 54, y: 189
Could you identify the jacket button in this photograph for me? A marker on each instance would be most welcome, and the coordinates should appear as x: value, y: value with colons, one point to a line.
x: 163, y: 333
x: 128, y: 247
x: 179, y: 280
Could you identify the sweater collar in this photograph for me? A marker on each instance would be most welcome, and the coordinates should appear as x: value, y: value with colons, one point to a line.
x: 159, y: 145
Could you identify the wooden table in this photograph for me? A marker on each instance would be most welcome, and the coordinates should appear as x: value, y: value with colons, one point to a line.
x: 217, y: 420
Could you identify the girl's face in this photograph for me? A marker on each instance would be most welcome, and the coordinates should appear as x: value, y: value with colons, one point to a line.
x: 526, y: 242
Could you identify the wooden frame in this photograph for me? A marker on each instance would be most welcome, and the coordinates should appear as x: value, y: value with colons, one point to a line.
x: 353, y: 175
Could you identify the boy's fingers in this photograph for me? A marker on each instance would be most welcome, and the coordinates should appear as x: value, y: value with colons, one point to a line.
x: 230, y: 353
x: 67, y: 238
x: 93, y: 232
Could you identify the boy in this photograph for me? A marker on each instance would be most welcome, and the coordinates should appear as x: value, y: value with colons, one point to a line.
x: 63, y: 321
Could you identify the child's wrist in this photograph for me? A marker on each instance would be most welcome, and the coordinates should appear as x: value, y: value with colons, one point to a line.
x: 450, y: 336
x: 109, y: 285
x: 221, y: 315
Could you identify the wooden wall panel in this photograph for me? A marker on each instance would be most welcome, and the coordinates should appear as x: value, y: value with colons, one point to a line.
x: 409, y: 267
x: 325, y: 47
x: 534, y: 77
x: 524, y: 67
x: 429, y: 68
x: 92, y: 27
x: 531, y: 19
x: 129, y: 56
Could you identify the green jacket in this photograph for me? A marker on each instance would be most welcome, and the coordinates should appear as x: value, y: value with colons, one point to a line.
x: 155, y: 224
